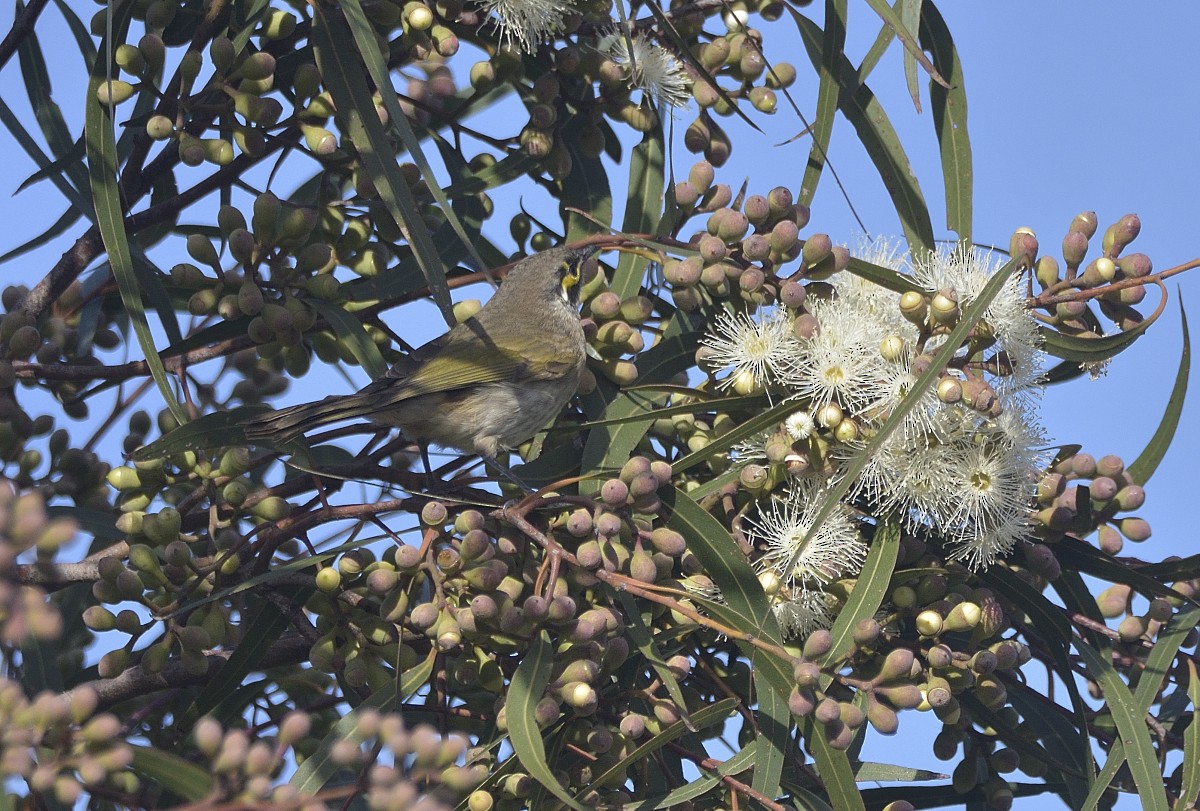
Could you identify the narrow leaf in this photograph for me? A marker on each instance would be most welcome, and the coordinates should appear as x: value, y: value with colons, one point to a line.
x: 643, y: 208
x: 364, y: 36
x: 340, y: 67
x: 877, y: 135
x: 1131, y: 726
x: 316, y: 770
x: 833, y: 41
x: 1189, y: 790
x: 912, y: 50
x: 833, y: 765
x: 949, y: 120
x: 525, y: 691
x: 867, y: 595
x: 1148, y: 460
x: 352, y: 333
x: 217, y: 429
x: 102, y: 173
x: 178, y: 776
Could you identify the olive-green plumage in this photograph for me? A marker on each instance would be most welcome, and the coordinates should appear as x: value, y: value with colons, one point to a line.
x: 491, y: 382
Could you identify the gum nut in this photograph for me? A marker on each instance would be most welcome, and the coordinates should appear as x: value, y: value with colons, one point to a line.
x: 757, y: 208
x: 1024, y: 244
x: 1131, y: 497
x: 1085, y: 223
x: 792, y: 294
x: 1074, y: 248
x: 819, y: 643
x: 1135, y: 265
x: 1084, y: 465
x: 685, y: 194
x: 896, y: 665
x: 1135, y: 529
x: 816, y: 248
x: 1046, y: 270
x: 1110, y: 465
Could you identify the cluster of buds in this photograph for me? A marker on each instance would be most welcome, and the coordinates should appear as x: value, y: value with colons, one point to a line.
x: 740, y: 251
x: 736, y: 55
x: 1112, y: 266
x: 25, y: 613
x: 60, y: 745
x: 1081, y: 494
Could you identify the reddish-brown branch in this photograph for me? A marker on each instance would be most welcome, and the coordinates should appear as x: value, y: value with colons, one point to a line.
x: 22, y: 27
x: 1065, y: 291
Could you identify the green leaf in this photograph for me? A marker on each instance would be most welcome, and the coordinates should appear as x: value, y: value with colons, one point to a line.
x: 887, y: 773
x: 218, y: 429
x: 258, y: 634
x: 867, y: 595
x: 1159, y: 664
x: 1014, y: 736
x: 341, y: 69
x: 39, y: 670
x: 65, y: 221
x: 1131, y: 725
x: 36, y: 79
x: 1083, y: 557
x: 43, y: 161
x: 833, y: 41
x: 1148, y: 460
x: 735, y: 765
x: 705, y: 717
x: 877, y: 799
x: 949, y: 120
x: 1066, y: 748
x: 877, y: 135
x: 106, y: 196
x: 912, y: 51
x: 888, y: 278
x: 639, y: 633
x: 643, y: 209
x: 746, y: 608
x: 722, y: 443
x: 526, y: 689
x: 377, y: 67
x: 833, y: 765
x: 1183, y: 569
x: 1189, y: 790
x: 585, y: 188
x: 178, y: 776
x: 83, y: 37
x: 316, y: 770
x: 1091, y: 350
x: 351, y: 332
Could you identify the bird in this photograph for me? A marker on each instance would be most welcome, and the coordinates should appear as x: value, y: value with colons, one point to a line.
x: 488, y: 384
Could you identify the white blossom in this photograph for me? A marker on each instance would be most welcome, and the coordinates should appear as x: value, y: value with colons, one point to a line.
x: 800, y: 426
x: 841, y: 361
x: 524, y: 24
x: 757, y: 349
x: 835, y: 550
x: 802, y: 613
x: 649, y: 67
x: 967, y: 272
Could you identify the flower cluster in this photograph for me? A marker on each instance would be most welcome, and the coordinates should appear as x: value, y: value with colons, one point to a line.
x: 959, y: 467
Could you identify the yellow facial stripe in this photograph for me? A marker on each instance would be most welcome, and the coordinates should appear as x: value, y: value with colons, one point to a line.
x: 570, y: 275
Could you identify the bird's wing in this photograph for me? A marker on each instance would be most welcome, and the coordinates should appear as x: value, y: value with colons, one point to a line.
x: 468, y: 356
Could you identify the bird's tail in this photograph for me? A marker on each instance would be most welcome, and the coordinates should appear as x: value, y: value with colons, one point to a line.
x: 285, y: 424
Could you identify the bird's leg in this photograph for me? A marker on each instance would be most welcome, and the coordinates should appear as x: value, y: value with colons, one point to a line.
x: 506, y: 472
